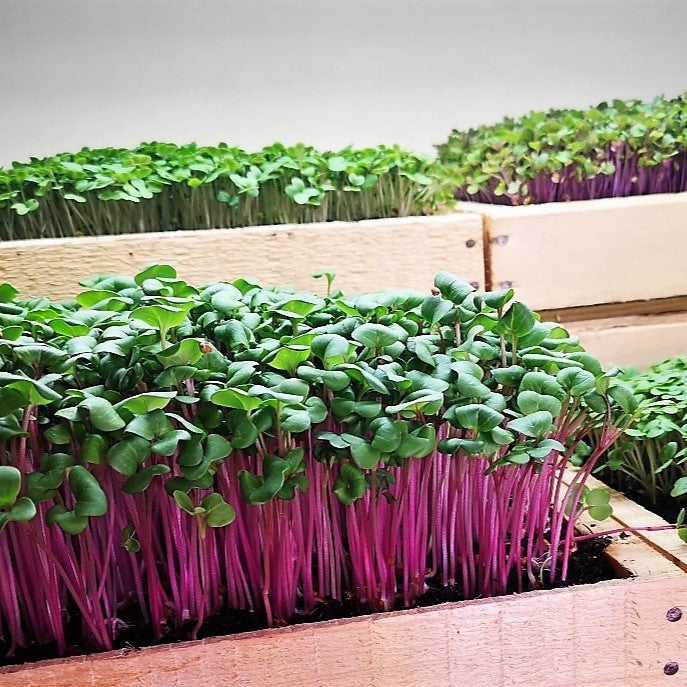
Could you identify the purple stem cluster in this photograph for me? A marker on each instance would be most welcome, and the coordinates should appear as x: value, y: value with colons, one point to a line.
x: 458, y: 521
x: 630, y: 178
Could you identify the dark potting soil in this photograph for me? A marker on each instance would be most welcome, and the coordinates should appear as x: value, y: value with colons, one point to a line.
x: 588, y: 565
x: 667, y: 507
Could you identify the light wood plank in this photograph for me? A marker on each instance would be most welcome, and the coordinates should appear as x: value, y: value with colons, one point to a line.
x: 658, y: 306
x: 367, y: 256
x: 639, y: 341
x: 634, y: 553
x: 604, y: 635
x: 561, y: 255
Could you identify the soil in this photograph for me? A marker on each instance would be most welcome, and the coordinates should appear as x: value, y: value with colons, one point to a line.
x: 668, y: 508
x: 588, y: 565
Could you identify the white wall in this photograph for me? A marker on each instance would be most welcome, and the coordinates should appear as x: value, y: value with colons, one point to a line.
x: 328, y: 72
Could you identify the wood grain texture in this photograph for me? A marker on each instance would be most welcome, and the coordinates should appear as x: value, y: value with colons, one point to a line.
x: 370, y: 255
x: 561, y: 255
x: 611, y: 634
x: 640, y: 341
x: 657, y: 306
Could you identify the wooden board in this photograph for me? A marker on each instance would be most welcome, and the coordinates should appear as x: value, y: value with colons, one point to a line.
x: 561, y: 255
x: 610, y: 634
x: 614, y: 634
x: 627, y: 513
x: 640, y: 341
x: 628, y: 549
x: 367, y: 256
x: 657, y: 306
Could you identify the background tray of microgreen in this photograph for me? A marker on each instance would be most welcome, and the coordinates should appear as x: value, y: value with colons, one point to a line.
x: 583, y: 207
x: 73, y: 215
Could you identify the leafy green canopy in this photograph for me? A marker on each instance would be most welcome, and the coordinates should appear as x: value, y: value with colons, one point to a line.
x: 619, y: 148
x: 652, y: 460
x: 138, y: 369
x: 162, y: 186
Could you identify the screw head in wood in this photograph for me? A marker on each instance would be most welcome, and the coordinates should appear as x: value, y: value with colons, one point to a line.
x: 474, y: 284
x: 674, y: 614
x: 501, y: 240
x: 471, y: 243
x: 671, y: 668
x: 506, y: 284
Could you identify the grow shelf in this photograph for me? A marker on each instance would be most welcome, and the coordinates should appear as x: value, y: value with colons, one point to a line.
x: 625, y: 632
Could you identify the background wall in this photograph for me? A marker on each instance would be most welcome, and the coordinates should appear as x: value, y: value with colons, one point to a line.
x: 328, y: 72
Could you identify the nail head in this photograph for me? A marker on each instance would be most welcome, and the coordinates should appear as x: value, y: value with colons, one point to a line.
x: 671, y: 668
x: 674, y: 614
